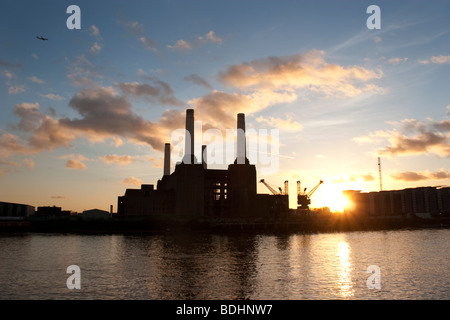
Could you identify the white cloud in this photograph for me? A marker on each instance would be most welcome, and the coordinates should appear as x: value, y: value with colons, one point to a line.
x: 211, y: 36
x: 52, y: 96
x: 283, y: 124
x: 436, y: 60
x: 96, y: 48
x: 441, y: 59
x: 148, y: 43
x: 16, y: 89
x: 7, y: 74
x: 95, y: 31
x: 201, y: 40
x: 397, y: 60
x: 181, y: 45
x: 36, y: 79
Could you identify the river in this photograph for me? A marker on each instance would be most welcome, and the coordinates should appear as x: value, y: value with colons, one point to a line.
x: 400, y: 265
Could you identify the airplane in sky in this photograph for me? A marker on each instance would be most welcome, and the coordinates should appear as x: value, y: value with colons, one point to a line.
x: 42, y: 38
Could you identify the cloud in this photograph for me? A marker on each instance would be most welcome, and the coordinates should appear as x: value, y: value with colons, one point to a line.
x: 8, y: 164
x: 133, y: 27
x: 156, y: 162
x: 102, y: 114
x: 7, y: 74
x: 276, y: 80
x: 397, y: 60
x: 196, y: 79
x: 411, y: 176
x: 309, y: 71
x: 180, y: 45
x: 78, y: 157
x: 29, y: 115
x: 211, y: 36
x: 220, y: 108
x: 161, y: 93
x: 442, y: 174
x: 132, y: 181
x: 81, y: 72
x: 95, y: 49
x: 148, y: 43
x: 137, y: 30
x: 75, y: 164
x: 58, y: 197
x: 201, y: 40
x: 289, y: 124
x: 368, y: 177
x: 436, y: 59
x: 52, y: 96
x: 354, y: 178
x: 106, y: 114
x: 95, y: 31
x: 16, y: 89
x: 113, y: 158
x: 11, y: 144
x: 412, y: 136
x: 440, y: 59
x: 36, y: 80
x: 50, y: 134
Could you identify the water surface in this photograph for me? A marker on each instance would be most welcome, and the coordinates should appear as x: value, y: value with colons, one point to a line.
x: 414, y: 264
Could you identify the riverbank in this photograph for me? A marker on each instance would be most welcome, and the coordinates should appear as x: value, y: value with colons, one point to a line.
x: 306, y: 224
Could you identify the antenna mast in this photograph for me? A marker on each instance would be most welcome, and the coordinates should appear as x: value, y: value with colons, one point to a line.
x: 379, y: 173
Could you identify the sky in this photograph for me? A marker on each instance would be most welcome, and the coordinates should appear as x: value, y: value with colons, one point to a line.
x: 85, y: 114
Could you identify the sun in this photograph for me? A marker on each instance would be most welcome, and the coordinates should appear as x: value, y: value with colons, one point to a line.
x: 331, y: 196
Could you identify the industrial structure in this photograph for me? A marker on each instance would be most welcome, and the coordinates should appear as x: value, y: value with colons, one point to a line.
x: 8, y: 209
x: 194, y: 191
x: 303, y: 198
x: 424, y: 202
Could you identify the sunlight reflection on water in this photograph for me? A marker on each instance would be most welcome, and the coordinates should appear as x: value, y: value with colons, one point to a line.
x: 413, y: 264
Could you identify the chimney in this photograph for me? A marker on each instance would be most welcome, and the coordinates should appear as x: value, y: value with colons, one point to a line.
x: 241, y: 143
x: 204, y: 160
x: 189, y: 139
x: 167, y: 159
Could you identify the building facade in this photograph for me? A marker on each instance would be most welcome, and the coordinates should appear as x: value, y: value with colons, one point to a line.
x: 8, y: 209
x: 194, y: 191
x: 421, y: 201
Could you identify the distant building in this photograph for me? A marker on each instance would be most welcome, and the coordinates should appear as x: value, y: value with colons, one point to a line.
x: 421, y: 201
x: 8, y: 209
x: 52, y: 212
x: 95, y: 214
x: 194, y: 191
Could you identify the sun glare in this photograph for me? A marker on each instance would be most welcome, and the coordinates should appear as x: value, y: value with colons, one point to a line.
x: 332, y: 196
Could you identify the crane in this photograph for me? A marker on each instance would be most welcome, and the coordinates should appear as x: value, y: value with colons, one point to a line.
x: 303, y: 198
x: 271, y: 188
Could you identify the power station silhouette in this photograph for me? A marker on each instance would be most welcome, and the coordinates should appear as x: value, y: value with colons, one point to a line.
x: 194, y: 191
